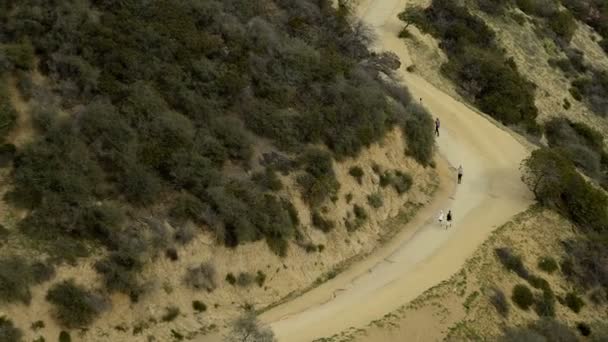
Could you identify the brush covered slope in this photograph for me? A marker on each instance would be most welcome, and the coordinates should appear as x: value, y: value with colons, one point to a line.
x: 131, y: 128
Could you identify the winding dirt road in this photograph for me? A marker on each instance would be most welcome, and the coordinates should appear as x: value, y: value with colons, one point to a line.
x: 425, y: 254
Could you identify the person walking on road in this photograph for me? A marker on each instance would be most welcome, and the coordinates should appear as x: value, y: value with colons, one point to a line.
x: 437, y: 124
x: 440, y: 218
x: 460, y: 171
x: 448, y: 223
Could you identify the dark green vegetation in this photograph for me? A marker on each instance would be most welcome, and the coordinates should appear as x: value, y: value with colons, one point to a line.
x: 75, y: 307
x: 151, y: 111
x: 547, y: 264
x: 522, y: 296
x: 581, y: 144
x: 476, y: 63
x: 17, y: 276
x: 555, y: 182
x: 8, y: 332
x: 545, y: 329
x: 199, y: 306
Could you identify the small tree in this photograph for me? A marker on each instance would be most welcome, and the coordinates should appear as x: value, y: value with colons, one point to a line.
x: 412, y: 15
x: 247, y: 328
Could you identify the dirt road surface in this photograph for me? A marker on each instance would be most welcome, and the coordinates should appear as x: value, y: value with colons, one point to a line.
x: 425, y: 253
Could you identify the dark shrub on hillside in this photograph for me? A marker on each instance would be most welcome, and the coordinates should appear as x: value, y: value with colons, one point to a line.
x: 7, y: 154
x: 74, y: 306
x: 402, y: 182
x: 563, y: 24
x: 360, y: 212
x: 17, y: 276
x: 540, y: 8
x: 522, y: 296
x: 319, y: 182
x: 186, y: 207
x: 199, y: 306
x: 8, y: 332
x: 230, y: 278
x: 512, y: 262
x: 556, y: 184
x: 170, y: 314
x: 64, y: 336
x: 574, y: 302
x: 260, y: 278
x: 356, y: 172
x: 203, y: 277
x: 499, y: 300
x: 545, y: 329
x: 268, y: 180
x: 419, y: 134
x: 244, y: 279
x: 8, y: 114
x: 547, y: 264
x: 319, y: 222
x: 544, y: 305
x: 375, y: 200
x: 583, y: 328
x: 593, y: 90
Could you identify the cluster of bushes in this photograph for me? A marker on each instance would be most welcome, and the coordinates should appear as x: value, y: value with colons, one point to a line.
x: 75, y: 307
x: 17, y: 276
x: 592, y: 12
x: 544, y: 304
x: 593, y: 89
x: 555, y: 182
x: 476, y: 64
x: 581, y: 144
x: 546, y: 329
x: 8, y: 115
x: 8, y: 331
x: 400, y: 181
x: 141, y: 129
x: 202, y: 277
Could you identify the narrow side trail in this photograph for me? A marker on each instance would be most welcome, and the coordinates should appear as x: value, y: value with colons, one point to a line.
x: 425, y: 254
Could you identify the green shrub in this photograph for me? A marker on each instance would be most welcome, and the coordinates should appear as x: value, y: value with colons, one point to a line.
x: 563, y: 24
x: 7, y: 154
x: 170, y: 314
x: 583, y: 328
x: 74, y: 306
x: 402, y: 182
x: 360, y: 212
x: 574, y: 302
x: 319, y: 183
x: 375, y: 200
x: 245, y: 279
x: 64, y: 336
x: 499, y: 300
x: 420, y: 139
x: 8, y: 332
x: 20, y: 55
x: 348, y: 197
x: 186, y: 207
x: 8, y: 114
x: 17, y: 276
x: 547, y: 264
x: 268, y: 180
x: 566, y: 104
x: 544, y: 304
x: 386, y: 179
x: 319, y: 222
x: 512, y: 262
x: 260, y: 278
x: 522, y: 296
x: 230, y: 278
x: 199, y: 306
x: 357, y: 173
x: 202, y: 277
